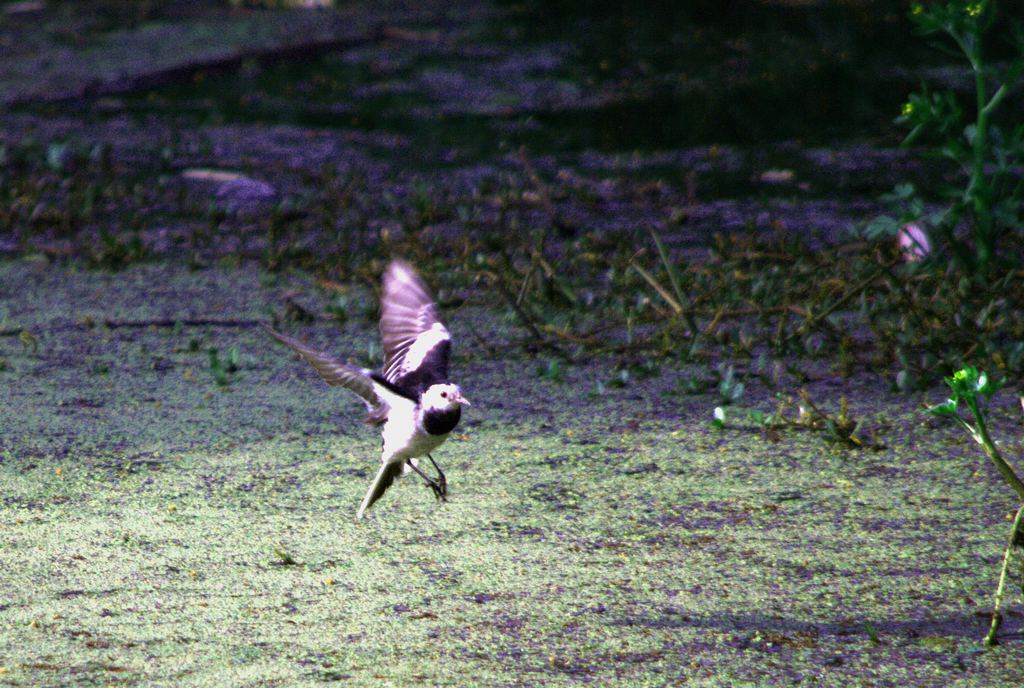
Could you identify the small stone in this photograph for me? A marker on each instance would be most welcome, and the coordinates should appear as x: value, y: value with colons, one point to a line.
x: 24, y: 7
x: 777, y: 176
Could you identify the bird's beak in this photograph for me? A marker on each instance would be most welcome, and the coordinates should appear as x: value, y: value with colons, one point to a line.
x: 463, y: 400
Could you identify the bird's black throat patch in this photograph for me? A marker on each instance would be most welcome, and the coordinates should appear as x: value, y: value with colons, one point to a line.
x: 441, y: 422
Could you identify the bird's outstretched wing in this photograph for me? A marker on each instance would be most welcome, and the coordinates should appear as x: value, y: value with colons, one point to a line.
x: 334, y: 372
x: 416, y: 343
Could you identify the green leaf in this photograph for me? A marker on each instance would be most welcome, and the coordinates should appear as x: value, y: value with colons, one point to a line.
x: 945, y: 409
x: 56, y: 156
x: 620, y: 379
x: 987, y: 387
x: 904, y: 380
x: 233, y: 360
x: 736, y: 392
x: 220, y: 375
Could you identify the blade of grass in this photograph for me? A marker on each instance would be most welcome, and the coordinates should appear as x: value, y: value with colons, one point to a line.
x: 662, y: 291
x: 673, y: 278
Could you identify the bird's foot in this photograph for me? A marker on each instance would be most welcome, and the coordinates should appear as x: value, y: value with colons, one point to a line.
x: 440, y: 489
x: 439, y: 486
x: 442, y: 482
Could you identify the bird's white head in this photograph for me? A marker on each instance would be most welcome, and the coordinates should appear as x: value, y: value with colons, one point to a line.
x: 443, y: 397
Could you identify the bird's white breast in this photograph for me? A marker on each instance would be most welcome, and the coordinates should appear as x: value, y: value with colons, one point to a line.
x: 403, y: 435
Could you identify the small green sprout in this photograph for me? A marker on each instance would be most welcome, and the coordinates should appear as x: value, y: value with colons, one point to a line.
x: 809, y: 416
x: 872, y: 633
x: 223, y: 370
x: 621, y: 378
x: 768, y: 422
x: 28, y: 342
x: 339, y: 308
x: 730, y: 390
x: 552, y: 370
x: 974, y: 388
x: 284, y: 557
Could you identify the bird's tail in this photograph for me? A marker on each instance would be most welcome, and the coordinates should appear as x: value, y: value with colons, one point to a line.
x: 386, y: 476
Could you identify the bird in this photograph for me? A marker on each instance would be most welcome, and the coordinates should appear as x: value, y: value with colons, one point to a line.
x: 411, y: 398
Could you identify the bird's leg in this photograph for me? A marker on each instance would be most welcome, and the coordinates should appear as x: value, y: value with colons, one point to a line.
x: 441, y: 481
x: 439, y: 488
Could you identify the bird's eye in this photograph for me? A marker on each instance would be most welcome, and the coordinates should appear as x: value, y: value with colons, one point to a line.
x: 444, y: 395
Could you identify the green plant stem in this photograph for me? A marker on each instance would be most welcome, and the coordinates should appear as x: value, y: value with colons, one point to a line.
x: 997, y: 617
x: 972, y: 195
x: 982, y: 436
x: 674, y: 280
x: 995, y: 100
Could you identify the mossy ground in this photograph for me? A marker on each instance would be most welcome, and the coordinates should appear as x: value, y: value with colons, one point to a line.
x: 160, y: 529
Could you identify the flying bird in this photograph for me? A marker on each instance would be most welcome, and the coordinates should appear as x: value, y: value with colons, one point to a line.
x: 411, y: 398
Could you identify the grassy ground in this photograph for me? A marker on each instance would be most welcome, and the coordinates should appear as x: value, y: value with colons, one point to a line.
x: 159, y: 528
